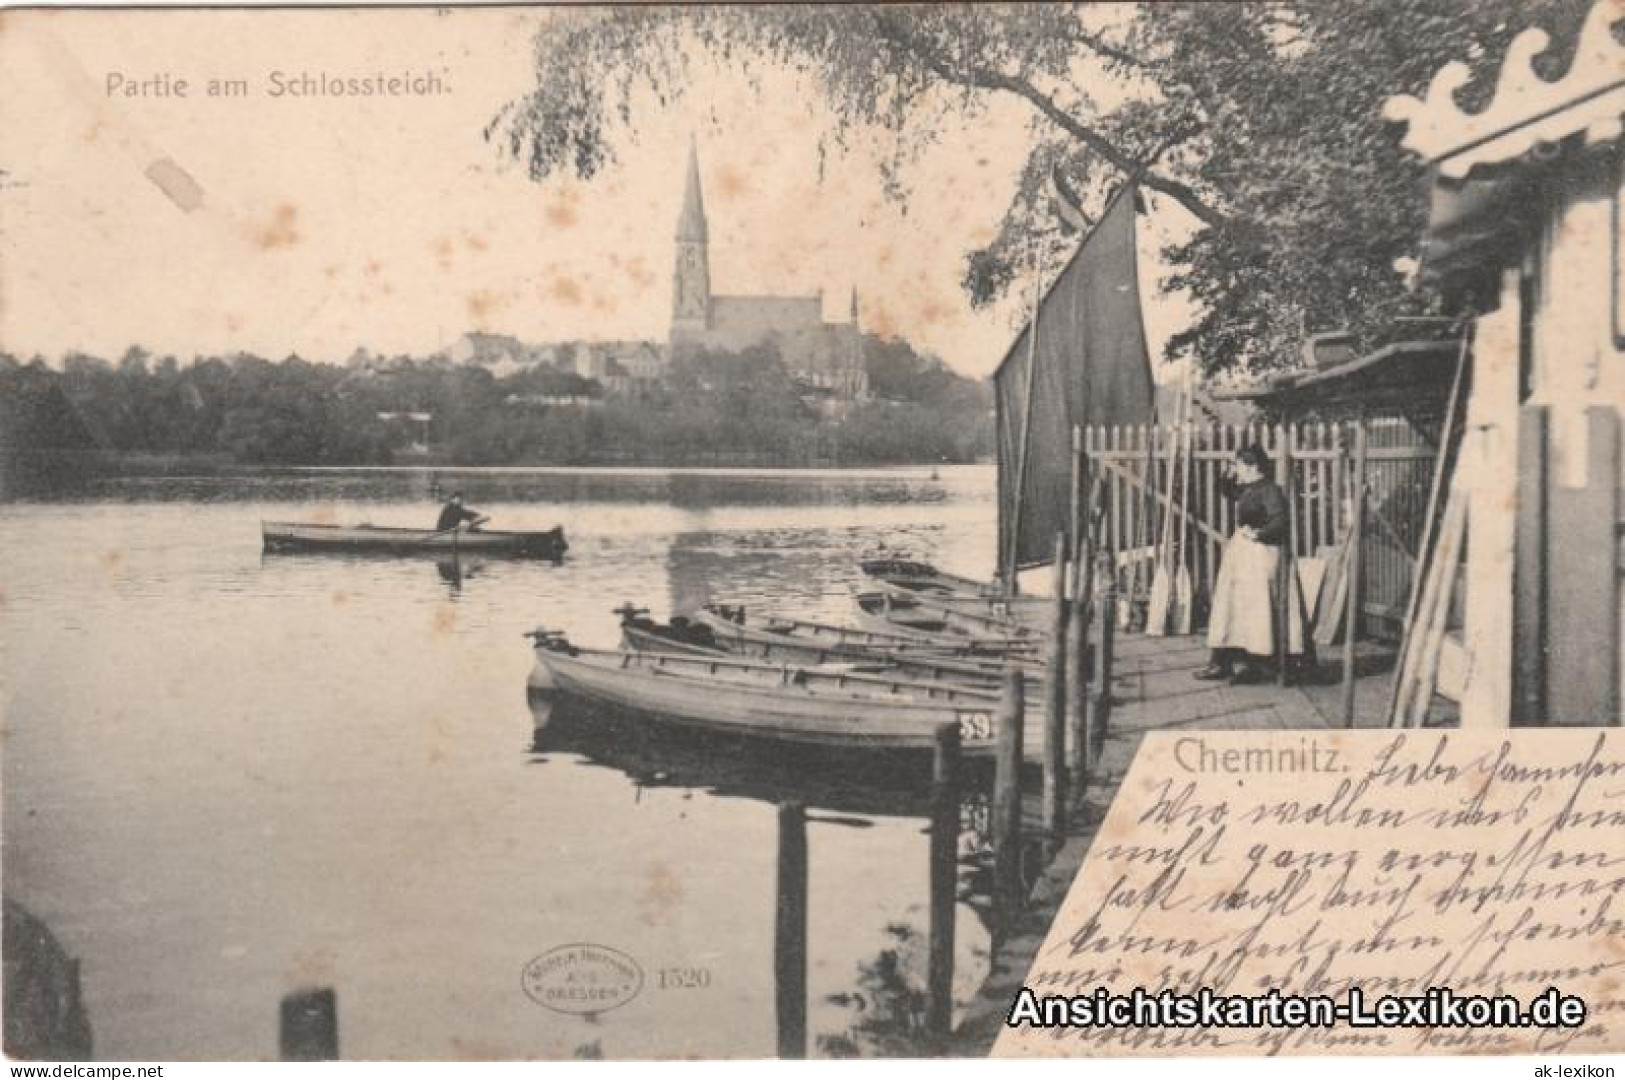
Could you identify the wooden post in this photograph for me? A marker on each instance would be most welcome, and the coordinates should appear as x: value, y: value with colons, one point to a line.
x: 1100, y: 702
x: 1077, y: 650
x: 1013, y: 555
x: 1055, y: 690
x: 1529, y: 589
x: 1077, y: 512
x: 1419, y: 569
x: 1435, y: 615
x: 1283, y: 565
x: 1007, y: 800
x: 944, y: 878
x: 1351, y: 572
x: 309, y: 1026
x: 1582, y: 583
x: 1005, y: 499
x: 1077, y: 693
x: 790, y: 932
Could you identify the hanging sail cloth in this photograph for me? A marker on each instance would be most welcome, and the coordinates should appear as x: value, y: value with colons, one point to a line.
x: 1089, y: 366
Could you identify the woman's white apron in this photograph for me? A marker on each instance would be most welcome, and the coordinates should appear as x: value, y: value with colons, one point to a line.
x: 1243, y: 612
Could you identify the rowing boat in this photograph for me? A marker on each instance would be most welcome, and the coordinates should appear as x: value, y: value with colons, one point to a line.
x: 921, y: 662
x: 923, y: 577
x: 681, y: 637
x: 653, y: 752
x: 844, y: 710
x: 1021, y: 618
x: 850, y: 680
x: 887, y: 636
x: 285, y: 536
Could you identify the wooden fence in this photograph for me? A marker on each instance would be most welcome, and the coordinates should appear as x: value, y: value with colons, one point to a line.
x: 1313, y: 463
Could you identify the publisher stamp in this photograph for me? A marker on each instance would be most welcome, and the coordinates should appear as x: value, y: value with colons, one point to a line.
x: 582, y: 979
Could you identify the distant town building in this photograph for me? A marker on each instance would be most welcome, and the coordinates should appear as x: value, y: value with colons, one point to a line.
x: 500, y: 354
x: 818, y: 354
x: 621, y: 367
x: 553, y: 401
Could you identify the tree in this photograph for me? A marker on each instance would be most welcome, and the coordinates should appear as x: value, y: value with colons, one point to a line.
x: 1261, y: 120
x: 898, y: 372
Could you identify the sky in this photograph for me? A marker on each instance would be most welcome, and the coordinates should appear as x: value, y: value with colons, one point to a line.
x: 199, y: 225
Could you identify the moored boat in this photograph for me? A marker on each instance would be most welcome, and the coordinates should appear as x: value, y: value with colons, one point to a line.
x: 923, y: 577
x: 796, y: 705
x: 654, y: 752
x: 923, y: 662
x: 891, y: 636
x: 681, y: 636
x: 286, y: 536
x: 1022, y: 618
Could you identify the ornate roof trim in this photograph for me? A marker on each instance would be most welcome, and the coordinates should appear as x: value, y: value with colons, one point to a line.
x: 1526, y: 111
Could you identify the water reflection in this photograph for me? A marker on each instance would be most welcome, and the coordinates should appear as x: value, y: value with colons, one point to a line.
x: 455, y: 571
x: 362, y: 798
x: 882, y: 1010
x: 652, y: 755
x: 757, y: 566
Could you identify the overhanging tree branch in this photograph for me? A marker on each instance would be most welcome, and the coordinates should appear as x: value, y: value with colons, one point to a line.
x: 979, y: 77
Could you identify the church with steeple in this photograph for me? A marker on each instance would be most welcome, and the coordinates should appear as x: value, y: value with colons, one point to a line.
x: 819, y: 355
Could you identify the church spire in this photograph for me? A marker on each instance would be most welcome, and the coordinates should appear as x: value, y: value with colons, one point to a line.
x: 691, y: 223
x: 691, y: 282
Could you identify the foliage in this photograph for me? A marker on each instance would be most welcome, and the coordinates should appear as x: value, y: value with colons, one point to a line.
x: 1262, y: 120
x: 739, y: 407
x: 888, y: 1002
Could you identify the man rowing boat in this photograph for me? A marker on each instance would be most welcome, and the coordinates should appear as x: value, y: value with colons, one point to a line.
x: 454, y: 513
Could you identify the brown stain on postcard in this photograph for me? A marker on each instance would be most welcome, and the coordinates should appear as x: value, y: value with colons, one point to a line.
x: 662, y: 892
x: 280, y: 231
x: 565, y: 290
x: 561, y: 212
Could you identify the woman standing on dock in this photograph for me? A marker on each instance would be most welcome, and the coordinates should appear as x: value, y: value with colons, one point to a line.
x: 1241, y: 628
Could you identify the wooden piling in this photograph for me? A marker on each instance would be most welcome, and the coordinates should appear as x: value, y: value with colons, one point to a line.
x: 1007, y: 890
x: 944, y: 883
x: 1076, y: 509
x: 790, y: 932
x: 309, y: 1028
x: 1055, y: 691
x: 1077, y: 688
x: 1283, y: 564
x: 1077, y: 622
x: 1100, y: 701
x: 1352, y: 570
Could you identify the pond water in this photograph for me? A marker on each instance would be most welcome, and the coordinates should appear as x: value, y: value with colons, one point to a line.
x: 228, y: 775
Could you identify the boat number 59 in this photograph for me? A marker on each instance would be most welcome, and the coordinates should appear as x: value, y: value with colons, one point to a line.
x: 975, y: 726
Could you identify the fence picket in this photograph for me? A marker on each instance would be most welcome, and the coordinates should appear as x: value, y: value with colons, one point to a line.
x: 1133, y: 461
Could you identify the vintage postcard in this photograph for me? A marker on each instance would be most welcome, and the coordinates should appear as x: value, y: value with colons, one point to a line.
x: 650, y: 532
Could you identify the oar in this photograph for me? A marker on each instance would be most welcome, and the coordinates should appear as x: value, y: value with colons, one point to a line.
x: 1162, y: 584
x: 1184, y: 589
x: 442, y: 532
x: 1146, y: 487
x: 477, y: 521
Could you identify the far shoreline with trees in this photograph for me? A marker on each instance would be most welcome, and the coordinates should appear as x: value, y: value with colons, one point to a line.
x: 144, y: 415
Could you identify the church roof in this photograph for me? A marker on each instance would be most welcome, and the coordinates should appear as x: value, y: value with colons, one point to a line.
x: 691, y: 222
x: 763, y: 314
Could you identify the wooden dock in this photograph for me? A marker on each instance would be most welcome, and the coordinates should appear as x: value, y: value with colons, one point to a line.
x: 1153, y: 690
